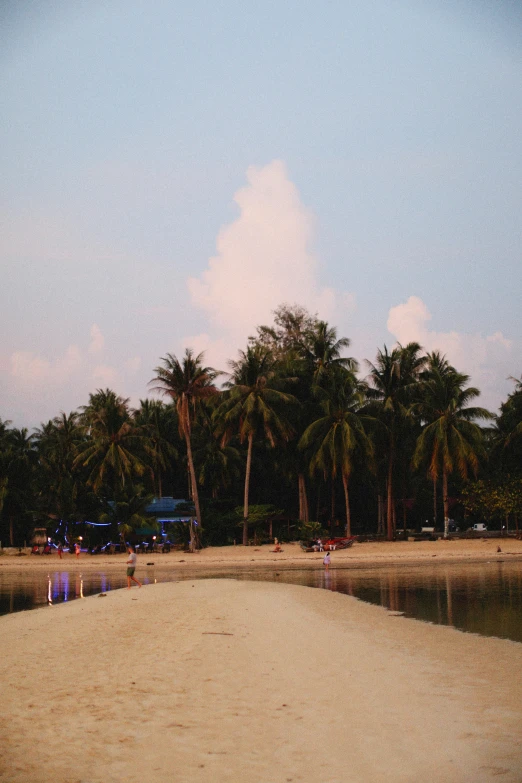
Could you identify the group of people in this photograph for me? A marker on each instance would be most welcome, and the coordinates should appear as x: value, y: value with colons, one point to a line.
x: 318, y: 547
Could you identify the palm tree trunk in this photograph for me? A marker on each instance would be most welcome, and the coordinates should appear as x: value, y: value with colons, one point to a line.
x: 389, y: 509
x: 435, y: 502
x: 247, y: 487
x: 445, y: 498
x: 332, y: 507
x: 192, y: 472
x: 347, y: 504
x: 303, y: 500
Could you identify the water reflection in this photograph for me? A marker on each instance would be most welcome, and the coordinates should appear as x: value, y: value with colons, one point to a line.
x: 483, y: 598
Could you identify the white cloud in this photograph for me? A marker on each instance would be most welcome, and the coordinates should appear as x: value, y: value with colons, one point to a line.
x: 263, y: 259
x: 488, y: 360
x: 35, y: 385
x: 26, y: 367
x: 105, y: 376
x: 97, y: 343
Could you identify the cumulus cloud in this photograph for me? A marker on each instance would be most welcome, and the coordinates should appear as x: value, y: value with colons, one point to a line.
x: 264, y: 258
x: 26, y: 367
x: 35, y: 386
x: 105, y: 375
x: 97, y: 343
x: 488, y: 360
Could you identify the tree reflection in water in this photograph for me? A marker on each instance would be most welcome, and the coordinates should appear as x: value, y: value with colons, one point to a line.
x: 484, y: 598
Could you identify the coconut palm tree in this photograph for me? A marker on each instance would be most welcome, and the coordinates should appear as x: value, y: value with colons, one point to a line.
x: 333, y: 440
x: 186, y: 382
x: 392, y: 383
x: 111, y: 450
x: 509, y: 433
x: 57, y: 444
x: 217, y: 463
x: 250, y: 409
x: 160, y: 424
x: 322, y: 352
x: 451, y: 440
x: 16, y: 485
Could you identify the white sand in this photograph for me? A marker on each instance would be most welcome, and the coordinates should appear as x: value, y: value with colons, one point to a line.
x: 217, y: 680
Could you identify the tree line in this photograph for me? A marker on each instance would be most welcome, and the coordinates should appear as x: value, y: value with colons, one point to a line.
x: 297, y: 434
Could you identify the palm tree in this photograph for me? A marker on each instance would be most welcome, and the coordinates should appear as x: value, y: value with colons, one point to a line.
x: 186, y: 382
x: 4, y: 444
x: 393, y: 380
x: 322, y: 351
x: 333, y: 439
x: 450, y: 440
x: 217, y: 463
x: 249, y: 409
x: 113, y: 443
x: 159, y: 422
x: 58, y: 443
x: 128, y: 513
x: 16, y: 485
x: 510, y: 419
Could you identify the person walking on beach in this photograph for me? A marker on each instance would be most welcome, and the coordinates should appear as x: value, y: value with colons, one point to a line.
x: 60, y: 551
x: 131, y: 567
x: 326, y: 561
x: 77, y: 550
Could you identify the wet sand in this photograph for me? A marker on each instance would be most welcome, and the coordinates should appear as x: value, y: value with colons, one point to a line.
x: 220, y: 680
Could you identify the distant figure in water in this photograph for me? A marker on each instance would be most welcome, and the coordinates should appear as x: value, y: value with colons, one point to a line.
x: 131, y: 567
x: 327, y: 561
x: 77, y: 550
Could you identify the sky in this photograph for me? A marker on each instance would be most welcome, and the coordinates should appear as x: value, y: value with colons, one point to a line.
x: 172, y: 172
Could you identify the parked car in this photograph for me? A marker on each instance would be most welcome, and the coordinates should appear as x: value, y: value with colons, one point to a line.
x: 479, y: 527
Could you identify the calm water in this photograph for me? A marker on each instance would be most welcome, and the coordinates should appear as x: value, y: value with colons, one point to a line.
x: 484, y: 598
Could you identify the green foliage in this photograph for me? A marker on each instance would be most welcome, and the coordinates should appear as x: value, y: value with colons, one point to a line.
x: 311, y: 530
x: 494, y: 498
x: 294, y: 427
x: 258, y: 514
x: 127, y: 513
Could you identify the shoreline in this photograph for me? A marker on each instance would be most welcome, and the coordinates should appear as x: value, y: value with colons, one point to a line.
x: 223, y: 680
x: 360, y: 555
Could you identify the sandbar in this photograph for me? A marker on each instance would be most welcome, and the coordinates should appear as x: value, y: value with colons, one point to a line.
x: 214, y: 681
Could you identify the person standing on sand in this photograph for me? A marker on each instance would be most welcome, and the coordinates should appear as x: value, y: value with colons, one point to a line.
x: 131, y: 567
x: 77, y: 550
x: 60, y: 551
x: 327, y: 561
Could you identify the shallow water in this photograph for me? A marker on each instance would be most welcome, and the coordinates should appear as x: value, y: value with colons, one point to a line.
x: 484, y: 598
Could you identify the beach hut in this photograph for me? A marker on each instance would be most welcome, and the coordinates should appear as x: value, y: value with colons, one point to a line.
x: 39, y: 537
x: 169, y: 511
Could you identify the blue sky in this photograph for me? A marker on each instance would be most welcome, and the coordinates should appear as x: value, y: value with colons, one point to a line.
x: 172, y: 172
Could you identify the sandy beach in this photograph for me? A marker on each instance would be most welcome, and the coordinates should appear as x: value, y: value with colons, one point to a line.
x: 364, y: 554
x: 223, y: 680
